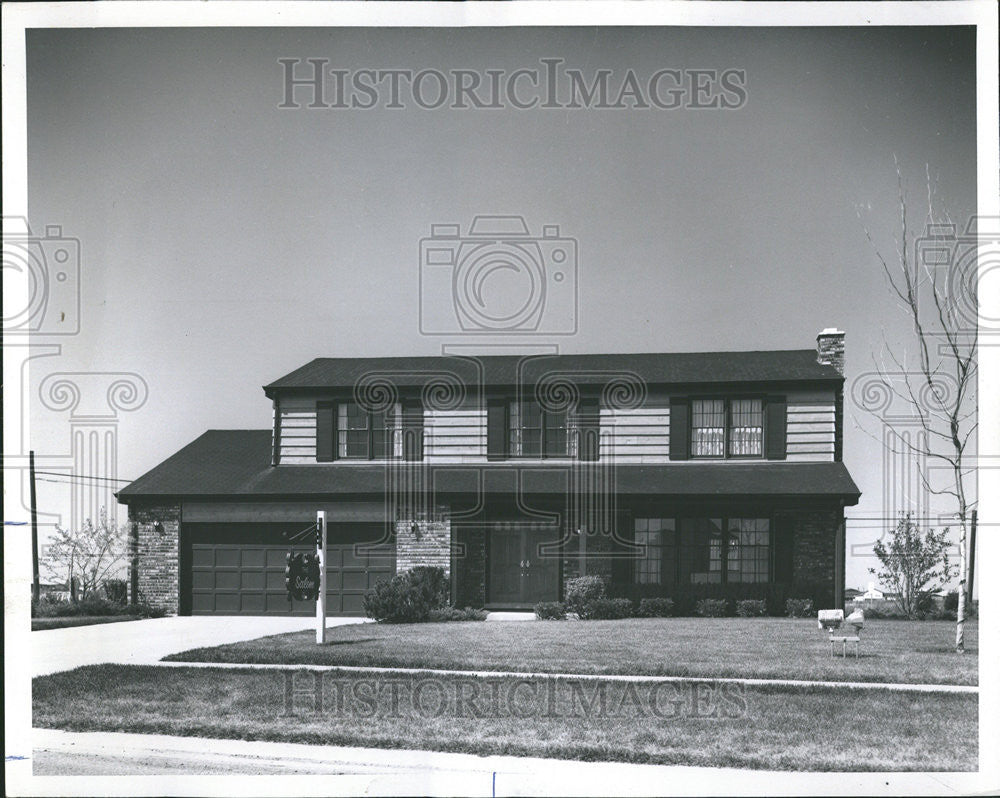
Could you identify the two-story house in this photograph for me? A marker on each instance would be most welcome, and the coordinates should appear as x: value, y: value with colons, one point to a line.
x: 683, y: 475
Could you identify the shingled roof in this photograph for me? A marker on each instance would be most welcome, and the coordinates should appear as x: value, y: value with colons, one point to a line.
x: 679, y: 368
x: 236, y: 464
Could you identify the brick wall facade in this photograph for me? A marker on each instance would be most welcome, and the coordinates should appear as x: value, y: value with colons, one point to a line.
x: 470, y: 567
x: 814, y: 552
x: 158, y: 554
x: 423, y: 543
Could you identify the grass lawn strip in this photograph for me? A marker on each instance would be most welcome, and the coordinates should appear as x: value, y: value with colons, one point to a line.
x: 44, y: 624
x: 900, y: 652
x: 611, y: 677
x: 768, y: 727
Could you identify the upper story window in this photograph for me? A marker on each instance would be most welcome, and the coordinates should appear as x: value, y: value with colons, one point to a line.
x: 534, y: 432
x: 727, y: 428
x: 349, y: 431
x: 365, y: 435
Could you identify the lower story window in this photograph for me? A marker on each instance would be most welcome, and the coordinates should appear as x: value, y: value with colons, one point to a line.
x: 654, y: 564
x: 699, y: 551
x: 748, y: 551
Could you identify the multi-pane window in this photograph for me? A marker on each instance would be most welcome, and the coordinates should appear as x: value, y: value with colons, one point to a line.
x: 708, y: 427
x: 746, y: 427
x: 535, y: 432
x: 748, y: 552
x: 367, y: 435
x: 654, y: 564
x: 730, y: 428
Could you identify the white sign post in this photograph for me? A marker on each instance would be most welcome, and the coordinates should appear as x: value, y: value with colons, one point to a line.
x: 321, y: 596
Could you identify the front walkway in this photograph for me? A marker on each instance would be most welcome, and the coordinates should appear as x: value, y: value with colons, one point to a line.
x: 146, y: 642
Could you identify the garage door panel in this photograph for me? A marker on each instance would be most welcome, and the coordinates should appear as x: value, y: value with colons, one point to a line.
x: 240, y: 569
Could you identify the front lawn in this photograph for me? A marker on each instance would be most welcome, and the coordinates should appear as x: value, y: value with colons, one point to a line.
x: 779, y: 648
x: 696, y: 723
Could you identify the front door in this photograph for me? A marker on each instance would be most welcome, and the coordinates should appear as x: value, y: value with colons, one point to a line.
x: 521, y: 572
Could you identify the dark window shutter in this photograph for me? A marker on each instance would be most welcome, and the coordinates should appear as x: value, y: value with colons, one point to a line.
x: 680, y: 429
x: 783, y: 540
x: 496, y: 429
x: 413, y: 431
x: 589, y: 425
x: 775, y: 428
x: 326, y: 431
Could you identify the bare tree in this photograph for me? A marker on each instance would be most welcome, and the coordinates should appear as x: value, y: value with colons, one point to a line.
x: 91, y: 554
x: 935, y: 285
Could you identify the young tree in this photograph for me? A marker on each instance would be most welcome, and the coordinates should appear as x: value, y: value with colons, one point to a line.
x: 934, y: 277
x: 913, y: 565
x: 92, y: 554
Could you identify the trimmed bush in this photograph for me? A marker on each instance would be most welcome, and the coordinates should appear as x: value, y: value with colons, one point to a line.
x: 657, y: 607
x: 951, y: 601
x: 116, y: 591
x: 798, y: 607
x: 751, y: 608
x: 550, y: 611
x: 582, y: 592
x: 609, y: 609
x: 711, y: 608
x: 409, y: 597
x: 92, y: 607
x: 455, y: 614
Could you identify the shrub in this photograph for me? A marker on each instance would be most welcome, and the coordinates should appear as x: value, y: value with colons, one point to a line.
x: 550, y: 611
x: 751, y: 608
x: 656, y: 608
x: 951, y: 601
x: 408, y: 597
x: 98, y: 607
x: 455, y: 614
x: 116, y: 591
x: 608, y: 609
x: 711, y: 608
x: 582, y: 592
x: 798, y: 607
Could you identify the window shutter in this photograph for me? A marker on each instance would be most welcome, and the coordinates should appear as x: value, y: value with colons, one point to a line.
x: 589, y: 425
x: 783, y: 537
x: 413, y: 430
x: 496, y: 429
x: 326, y: 432
x: 775, y: 428
x: 680, y: 429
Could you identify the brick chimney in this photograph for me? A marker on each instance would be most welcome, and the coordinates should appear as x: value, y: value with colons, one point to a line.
x: 830, y: 348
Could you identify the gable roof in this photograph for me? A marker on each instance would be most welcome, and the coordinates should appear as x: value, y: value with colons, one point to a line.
x: 678, y: 368
x: 236, y: 464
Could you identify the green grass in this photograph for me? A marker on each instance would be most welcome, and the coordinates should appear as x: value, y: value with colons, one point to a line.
x: 41, y: 624
x: 778, y: 648
x: 729, y: 726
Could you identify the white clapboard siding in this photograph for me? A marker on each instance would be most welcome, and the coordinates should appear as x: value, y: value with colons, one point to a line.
x: 811, y: 426
x: 455, y: 436
x: 297, y: 432
x: 640, y: 435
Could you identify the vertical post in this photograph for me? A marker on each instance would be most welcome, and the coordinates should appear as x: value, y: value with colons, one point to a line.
x: 582, y: 550
x: 321, y: 597
x: 36, y: 586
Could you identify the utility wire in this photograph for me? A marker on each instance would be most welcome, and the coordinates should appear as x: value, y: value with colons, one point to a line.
x: 82, y: 476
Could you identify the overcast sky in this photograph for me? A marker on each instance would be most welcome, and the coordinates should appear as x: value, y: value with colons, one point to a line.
x: 226, y: 241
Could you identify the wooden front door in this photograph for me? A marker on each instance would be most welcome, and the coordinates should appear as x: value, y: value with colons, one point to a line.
x: 521, y: 573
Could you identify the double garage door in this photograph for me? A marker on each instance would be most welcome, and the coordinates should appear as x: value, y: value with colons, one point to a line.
x: 239, y: 569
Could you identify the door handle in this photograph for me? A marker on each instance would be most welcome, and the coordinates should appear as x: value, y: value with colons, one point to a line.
x: 528, y: 563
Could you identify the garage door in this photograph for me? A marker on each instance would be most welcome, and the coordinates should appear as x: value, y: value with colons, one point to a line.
x: 239, y: 569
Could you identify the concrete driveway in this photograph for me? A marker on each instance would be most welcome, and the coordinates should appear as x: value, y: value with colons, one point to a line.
x: 145, y: 642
